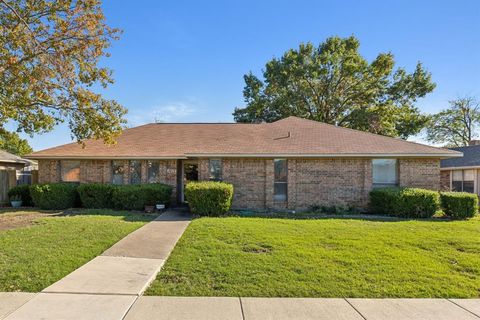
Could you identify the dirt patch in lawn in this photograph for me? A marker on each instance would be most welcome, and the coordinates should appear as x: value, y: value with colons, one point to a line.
x: 17, y: 219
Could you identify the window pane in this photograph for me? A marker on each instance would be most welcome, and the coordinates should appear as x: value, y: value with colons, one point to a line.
x: 457, y: 175
x: 153, y: 171
x: 215, y: 169
x: 384, y: 171
x: 468, y: 175
x: 118, y: 171
x: 280, y: 170
x: 70, y: 170
x: 456, y: 185
x: 468, y: 186
x: 135, y: 172
x: 280, y: 180
x: 280, y: 191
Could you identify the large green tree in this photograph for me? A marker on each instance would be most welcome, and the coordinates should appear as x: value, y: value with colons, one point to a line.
x: 11, y: 142
x: 49, y: 64
x: 457, y: 125
x: 333, y: 83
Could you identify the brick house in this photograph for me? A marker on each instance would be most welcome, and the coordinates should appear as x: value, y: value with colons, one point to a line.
x: 462, y: 174
x: 288, y: 164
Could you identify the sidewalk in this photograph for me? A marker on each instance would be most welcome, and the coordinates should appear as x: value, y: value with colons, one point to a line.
x: 63, y: 306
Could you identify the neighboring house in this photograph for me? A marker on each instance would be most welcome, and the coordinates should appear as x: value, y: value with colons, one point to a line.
x: 11, y: 171
x: 462, y: 174
x: 288, y: 164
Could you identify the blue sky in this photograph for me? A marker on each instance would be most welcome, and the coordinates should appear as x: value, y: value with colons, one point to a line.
x: 184, y: 61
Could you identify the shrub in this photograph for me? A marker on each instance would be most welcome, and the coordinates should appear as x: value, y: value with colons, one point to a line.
x: 22, y: 191
x: 96, y: 195
x: 54, y: 195
x: 459, y: 205
x: 405, y: 202
x: 209, y: 198
x: 136, y: 197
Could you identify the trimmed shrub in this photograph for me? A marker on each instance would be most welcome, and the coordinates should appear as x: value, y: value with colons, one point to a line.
x: 136, y: 197
x: 22, y: 191
x: 405, y: 202
x: 209, y: 198
x: 96, y: 195
x: 55, y: 195
x: 459, y: 205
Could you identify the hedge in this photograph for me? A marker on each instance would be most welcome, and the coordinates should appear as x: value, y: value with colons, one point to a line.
x: 96, y: 195
x: 136, y: 197
x: 209, y: 198
x: 459, y: 205
x: 55, y: 195
x: 23, y: 191
x: 405, y: 202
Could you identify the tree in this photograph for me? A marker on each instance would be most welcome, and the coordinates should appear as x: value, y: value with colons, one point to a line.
x: 455, y: 126
x: 333, y: 83
x: 49, y: 62
x: 11, y: 142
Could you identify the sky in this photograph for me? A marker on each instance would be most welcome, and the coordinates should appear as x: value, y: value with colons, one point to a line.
x: 184, y: 61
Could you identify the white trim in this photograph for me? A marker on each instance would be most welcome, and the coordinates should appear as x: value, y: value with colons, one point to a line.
x: 103, y: 158
x: 259, y: 155
x: 326, y: 155
x: 459, y: 168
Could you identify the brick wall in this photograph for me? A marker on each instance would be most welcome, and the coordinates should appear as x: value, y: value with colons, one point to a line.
x: 330, y: 182
x: 100, y: 171
x: 420, y: 173
x: 445, y: 180
x: 48, y: 171
x: 310, y: 181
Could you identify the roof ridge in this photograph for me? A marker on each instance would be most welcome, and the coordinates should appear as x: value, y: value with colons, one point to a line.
x: 365, y: 132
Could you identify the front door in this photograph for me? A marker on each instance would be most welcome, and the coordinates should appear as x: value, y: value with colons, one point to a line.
x: 189, y: 173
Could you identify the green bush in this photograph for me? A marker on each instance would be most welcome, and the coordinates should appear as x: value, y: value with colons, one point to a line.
x: 209, y: 198
x: 136, y: 197
x: 96, y: 195
x: 55, y: 195
x: 459, y: 205
x: 22, y: 191
x: 405, y: 202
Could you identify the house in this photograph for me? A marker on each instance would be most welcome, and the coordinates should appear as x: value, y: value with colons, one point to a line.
x: 288, y: 164
x: 462, y: 174
x: 11, y: 172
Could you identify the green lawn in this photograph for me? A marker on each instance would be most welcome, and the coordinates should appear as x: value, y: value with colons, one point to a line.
x: 35, y: 256
x: 324, y: 258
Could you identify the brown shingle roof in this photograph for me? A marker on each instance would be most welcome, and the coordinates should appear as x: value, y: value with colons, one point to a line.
x: 288, y: 137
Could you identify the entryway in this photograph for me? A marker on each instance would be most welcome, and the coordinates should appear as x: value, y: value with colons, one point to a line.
x: 188, y: 172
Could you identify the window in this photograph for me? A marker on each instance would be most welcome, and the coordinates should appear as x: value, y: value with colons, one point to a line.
x: 70, y: 170
x: 463, y: 180
x: 118, y: 172
x: 384, y: 172
x: 153, y: 170
x: 135, y: 168
x: 280, y: 180
x: 215, y: 168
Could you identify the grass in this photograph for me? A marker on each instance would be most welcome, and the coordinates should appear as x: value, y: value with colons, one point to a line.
x: 324, y: 258
x: 33, y: 257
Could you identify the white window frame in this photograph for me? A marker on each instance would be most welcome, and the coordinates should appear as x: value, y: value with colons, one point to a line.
x: 275, y: 196
x: 397, y: 175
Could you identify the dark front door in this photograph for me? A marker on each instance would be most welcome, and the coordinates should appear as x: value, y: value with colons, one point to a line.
x: 189, y: 173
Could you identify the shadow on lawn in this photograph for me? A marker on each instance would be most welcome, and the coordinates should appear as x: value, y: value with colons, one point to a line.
x: 131, y: 216
x: 320, y: 216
